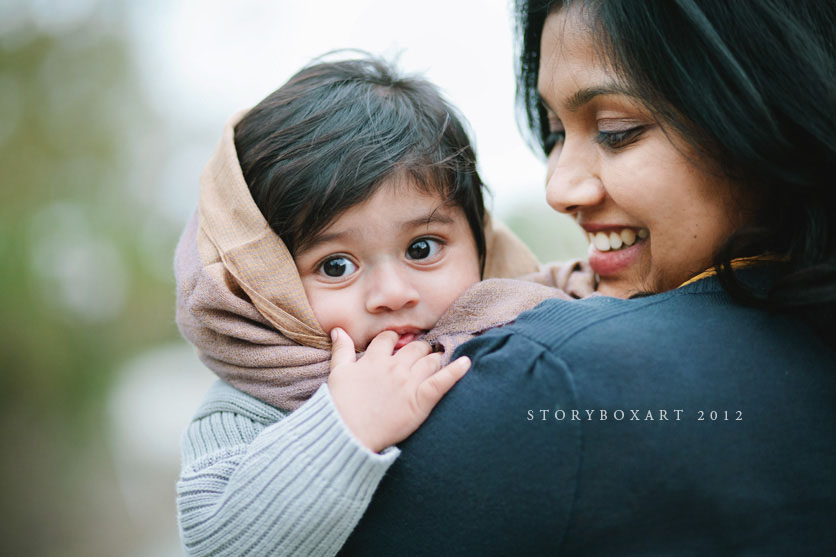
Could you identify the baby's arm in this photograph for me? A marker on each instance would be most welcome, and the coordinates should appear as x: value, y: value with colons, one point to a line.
x: 256, y: 481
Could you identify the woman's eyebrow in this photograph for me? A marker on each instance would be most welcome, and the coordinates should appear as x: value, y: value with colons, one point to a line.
x: 582, y: 96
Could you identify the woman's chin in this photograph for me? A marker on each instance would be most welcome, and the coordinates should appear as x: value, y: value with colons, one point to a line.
x: 616, y: 271
x: 615, y: 288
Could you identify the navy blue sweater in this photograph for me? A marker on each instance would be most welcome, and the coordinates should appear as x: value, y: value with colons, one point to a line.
x: 680, y: 423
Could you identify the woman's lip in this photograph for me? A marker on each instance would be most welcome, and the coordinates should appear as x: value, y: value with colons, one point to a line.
x: 606, y: 263
x: 593, y: 228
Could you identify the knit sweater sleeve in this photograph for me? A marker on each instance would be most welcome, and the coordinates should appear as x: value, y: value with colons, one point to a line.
x: 258, y: 481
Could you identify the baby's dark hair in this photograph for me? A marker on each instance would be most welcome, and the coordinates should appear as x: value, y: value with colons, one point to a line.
x: 328, y: 139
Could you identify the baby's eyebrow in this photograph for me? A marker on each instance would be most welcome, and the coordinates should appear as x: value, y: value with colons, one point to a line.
x: 437, y: 216
x: 319, y: 239
x: 434, y: 217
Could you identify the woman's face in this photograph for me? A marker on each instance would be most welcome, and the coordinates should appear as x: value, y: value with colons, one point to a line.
x: 654, y: 213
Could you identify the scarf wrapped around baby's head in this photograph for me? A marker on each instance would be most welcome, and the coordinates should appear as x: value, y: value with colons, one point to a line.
x: 241, y: 303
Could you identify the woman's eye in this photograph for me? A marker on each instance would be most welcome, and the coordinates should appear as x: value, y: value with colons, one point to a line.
x: 423, y: 249
x: 619, y: 139
x: 337, y: 267
x: 555, y: 138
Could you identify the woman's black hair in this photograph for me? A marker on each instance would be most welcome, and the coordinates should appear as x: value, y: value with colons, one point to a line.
x: 328, y: 139
x: 751, y: 85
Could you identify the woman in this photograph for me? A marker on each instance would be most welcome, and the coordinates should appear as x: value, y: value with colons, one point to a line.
x: 683, y: 411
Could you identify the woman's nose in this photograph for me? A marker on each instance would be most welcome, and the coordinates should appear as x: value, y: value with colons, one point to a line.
x: 572, y: 182
x: 390, y: 288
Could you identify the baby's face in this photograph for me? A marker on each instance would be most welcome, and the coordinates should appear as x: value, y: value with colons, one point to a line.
x: 394, y: 262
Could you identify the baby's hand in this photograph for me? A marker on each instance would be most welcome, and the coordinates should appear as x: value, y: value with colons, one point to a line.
x: 384, y: 397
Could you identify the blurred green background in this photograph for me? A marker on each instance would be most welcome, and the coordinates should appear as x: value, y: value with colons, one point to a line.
x: 96, y: 383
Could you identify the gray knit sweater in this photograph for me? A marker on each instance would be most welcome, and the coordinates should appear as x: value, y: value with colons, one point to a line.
x: 259, y: 481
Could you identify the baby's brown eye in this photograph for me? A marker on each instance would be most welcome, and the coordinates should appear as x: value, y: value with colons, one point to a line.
x: 422, y: 249
x: 337, y: 267
x: 418, y: 250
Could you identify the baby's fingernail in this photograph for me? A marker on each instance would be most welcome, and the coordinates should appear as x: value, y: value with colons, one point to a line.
x: 464, y: 360
x: 335, y: 333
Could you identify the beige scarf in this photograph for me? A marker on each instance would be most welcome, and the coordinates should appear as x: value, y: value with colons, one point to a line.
x: 241, y: 303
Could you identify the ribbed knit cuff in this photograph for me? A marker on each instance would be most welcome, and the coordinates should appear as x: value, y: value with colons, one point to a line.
x: 298, y: 488
x: 324, y: 442
x: 335, y: 467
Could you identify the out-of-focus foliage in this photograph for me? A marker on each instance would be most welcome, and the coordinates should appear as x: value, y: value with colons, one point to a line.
x: 551, y: 236
x: 77, y: 295
x: 86, y: 241
x: 80, y: 285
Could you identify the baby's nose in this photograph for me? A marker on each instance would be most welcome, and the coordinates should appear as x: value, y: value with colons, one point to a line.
x: 390, y: 288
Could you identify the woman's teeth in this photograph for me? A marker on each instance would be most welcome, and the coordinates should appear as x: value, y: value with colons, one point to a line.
x: 612, y: 241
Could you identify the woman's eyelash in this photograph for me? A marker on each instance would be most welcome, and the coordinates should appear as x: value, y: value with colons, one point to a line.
x: 609, y: 139
x: 553, y: 139
x: 619, y: 139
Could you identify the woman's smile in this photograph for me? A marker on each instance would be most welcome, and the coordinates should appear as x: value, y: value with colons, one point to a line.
x: 612, y: 250
x: 654, y: 216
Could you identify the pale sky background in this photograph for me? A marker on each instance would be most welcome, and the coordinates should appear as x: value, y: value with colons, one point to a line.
x: 204, y: 59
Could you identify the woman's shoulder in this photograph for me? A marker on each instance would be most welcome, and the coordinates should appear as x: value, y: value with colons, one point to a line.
x: 699, y: 309
x: 683, y: 328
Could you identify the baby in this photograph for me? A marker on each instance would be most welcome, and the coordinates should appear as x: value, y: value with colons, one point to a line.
x: 344, y: 207
x: 370, y: 181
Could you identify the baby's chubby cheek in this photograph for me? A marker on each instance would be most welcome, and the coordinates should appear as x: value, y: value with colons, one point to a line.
x: 449, y: 290
x: 332, y: 309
